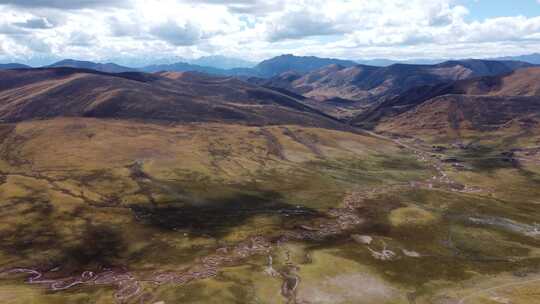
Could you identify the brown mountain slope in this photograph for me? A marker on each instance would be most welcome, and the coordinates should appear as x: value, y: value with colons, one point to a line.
x: 466, y: 115
x: 102, y: 67
x: 469, y: 106
x: 523, y: 82
x: 187, y: 97
x: 336, y: 81
x: 367, y: 84
x: 282, y: 81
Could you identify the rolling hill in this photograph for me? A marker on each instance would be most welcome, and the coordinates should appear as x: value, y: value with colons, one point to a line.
x: 101, y: 67
x: 174, y: 97
x: 11, y: 66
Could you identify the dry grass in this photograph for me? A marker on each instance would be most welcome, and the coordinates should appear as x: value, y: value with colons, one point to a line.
x: 70, y: 188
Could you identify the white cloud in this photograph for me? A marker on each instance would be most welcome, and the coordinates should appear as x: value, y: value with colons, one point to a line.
x: 36, y: 23
x: 301, y: 24
x: 256, y: 29
x: 179, y: 35
x: 65, y: 4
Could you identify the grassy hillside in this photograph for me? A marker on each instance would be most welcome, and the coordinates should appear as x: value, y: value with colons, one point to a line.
x: 86, y: 193
x: 115, y: 210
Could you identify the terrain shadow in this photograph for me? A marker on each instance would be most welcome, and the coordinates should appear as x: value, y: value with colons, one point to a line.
x: 216, y: 217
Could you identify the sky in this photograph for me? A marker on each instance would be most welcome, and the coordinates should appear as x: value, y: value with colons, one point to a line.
x: 139, y: 32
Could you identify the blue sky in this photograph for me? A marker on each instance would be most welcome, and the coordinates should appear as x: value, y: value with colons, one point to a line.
x: 482, y: 9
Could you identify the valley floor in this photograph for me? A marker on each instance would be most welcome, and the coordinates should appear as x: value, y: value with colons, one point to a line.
x: 105, y: 211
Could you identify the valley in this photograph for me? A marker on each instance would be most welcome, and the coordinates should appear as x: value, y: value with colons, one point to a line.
x: 184, y: 187
x: 269, y: 152
x: 247, y: 214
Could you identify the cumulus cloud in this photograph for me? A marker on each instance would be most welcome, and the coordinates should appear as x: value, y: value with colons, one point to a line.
x: 179, y: 35
x: 9, y: 29
x: 296, y: 25
x: 502, y: 29
x: 442, y: 14
x: 33, y: 44
x: 82, y: 39
x: 123, y: 28
x: 250, y: 7
x: 35, y: 23
x: 256, y: 29
x: 65, y: 4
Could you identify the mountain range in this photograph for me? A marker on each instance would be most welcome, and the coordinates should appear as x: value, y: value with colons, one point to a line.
x: 351, y: 88
x: 530, y: 58
x: 227, y: 66
x: 481, y: 104
x: 30, y: 94
x: 9, y: 66
x: 399, y: 97
x: 331, y: 87
x: 267, y: 68
x: 382, y: 62
x: 101, y: 67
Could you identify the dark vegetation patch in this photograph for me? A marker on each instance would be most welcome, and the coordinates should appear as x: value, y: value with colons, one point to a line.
x: 286, y: 92
x: 374, y: 169
x: 456, y: 206
x: 484, y: 158
x: 308, y: 140
x: 352, y: 171
x: 229, y: 113
x: 41, y: 243
x: 531, y: 176
x: 195, y: 292
x: 24, y: 237
x: 273, y: 145
x: 216, y: 217
x: 102, y: 175
x: 487, y: 159
x: 400, y: 163
x: 99, y: 246
x: 269, y: 98
x: 5, y: 132
x: 10, y: 149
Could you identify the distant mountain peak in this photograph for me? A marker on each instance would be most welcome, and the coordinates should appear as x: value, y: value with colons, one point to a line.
x: 533, y: 58
x: 12, y: 66
x: 82, y: 64
x: 302, y: 64
x: 221, y: 62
